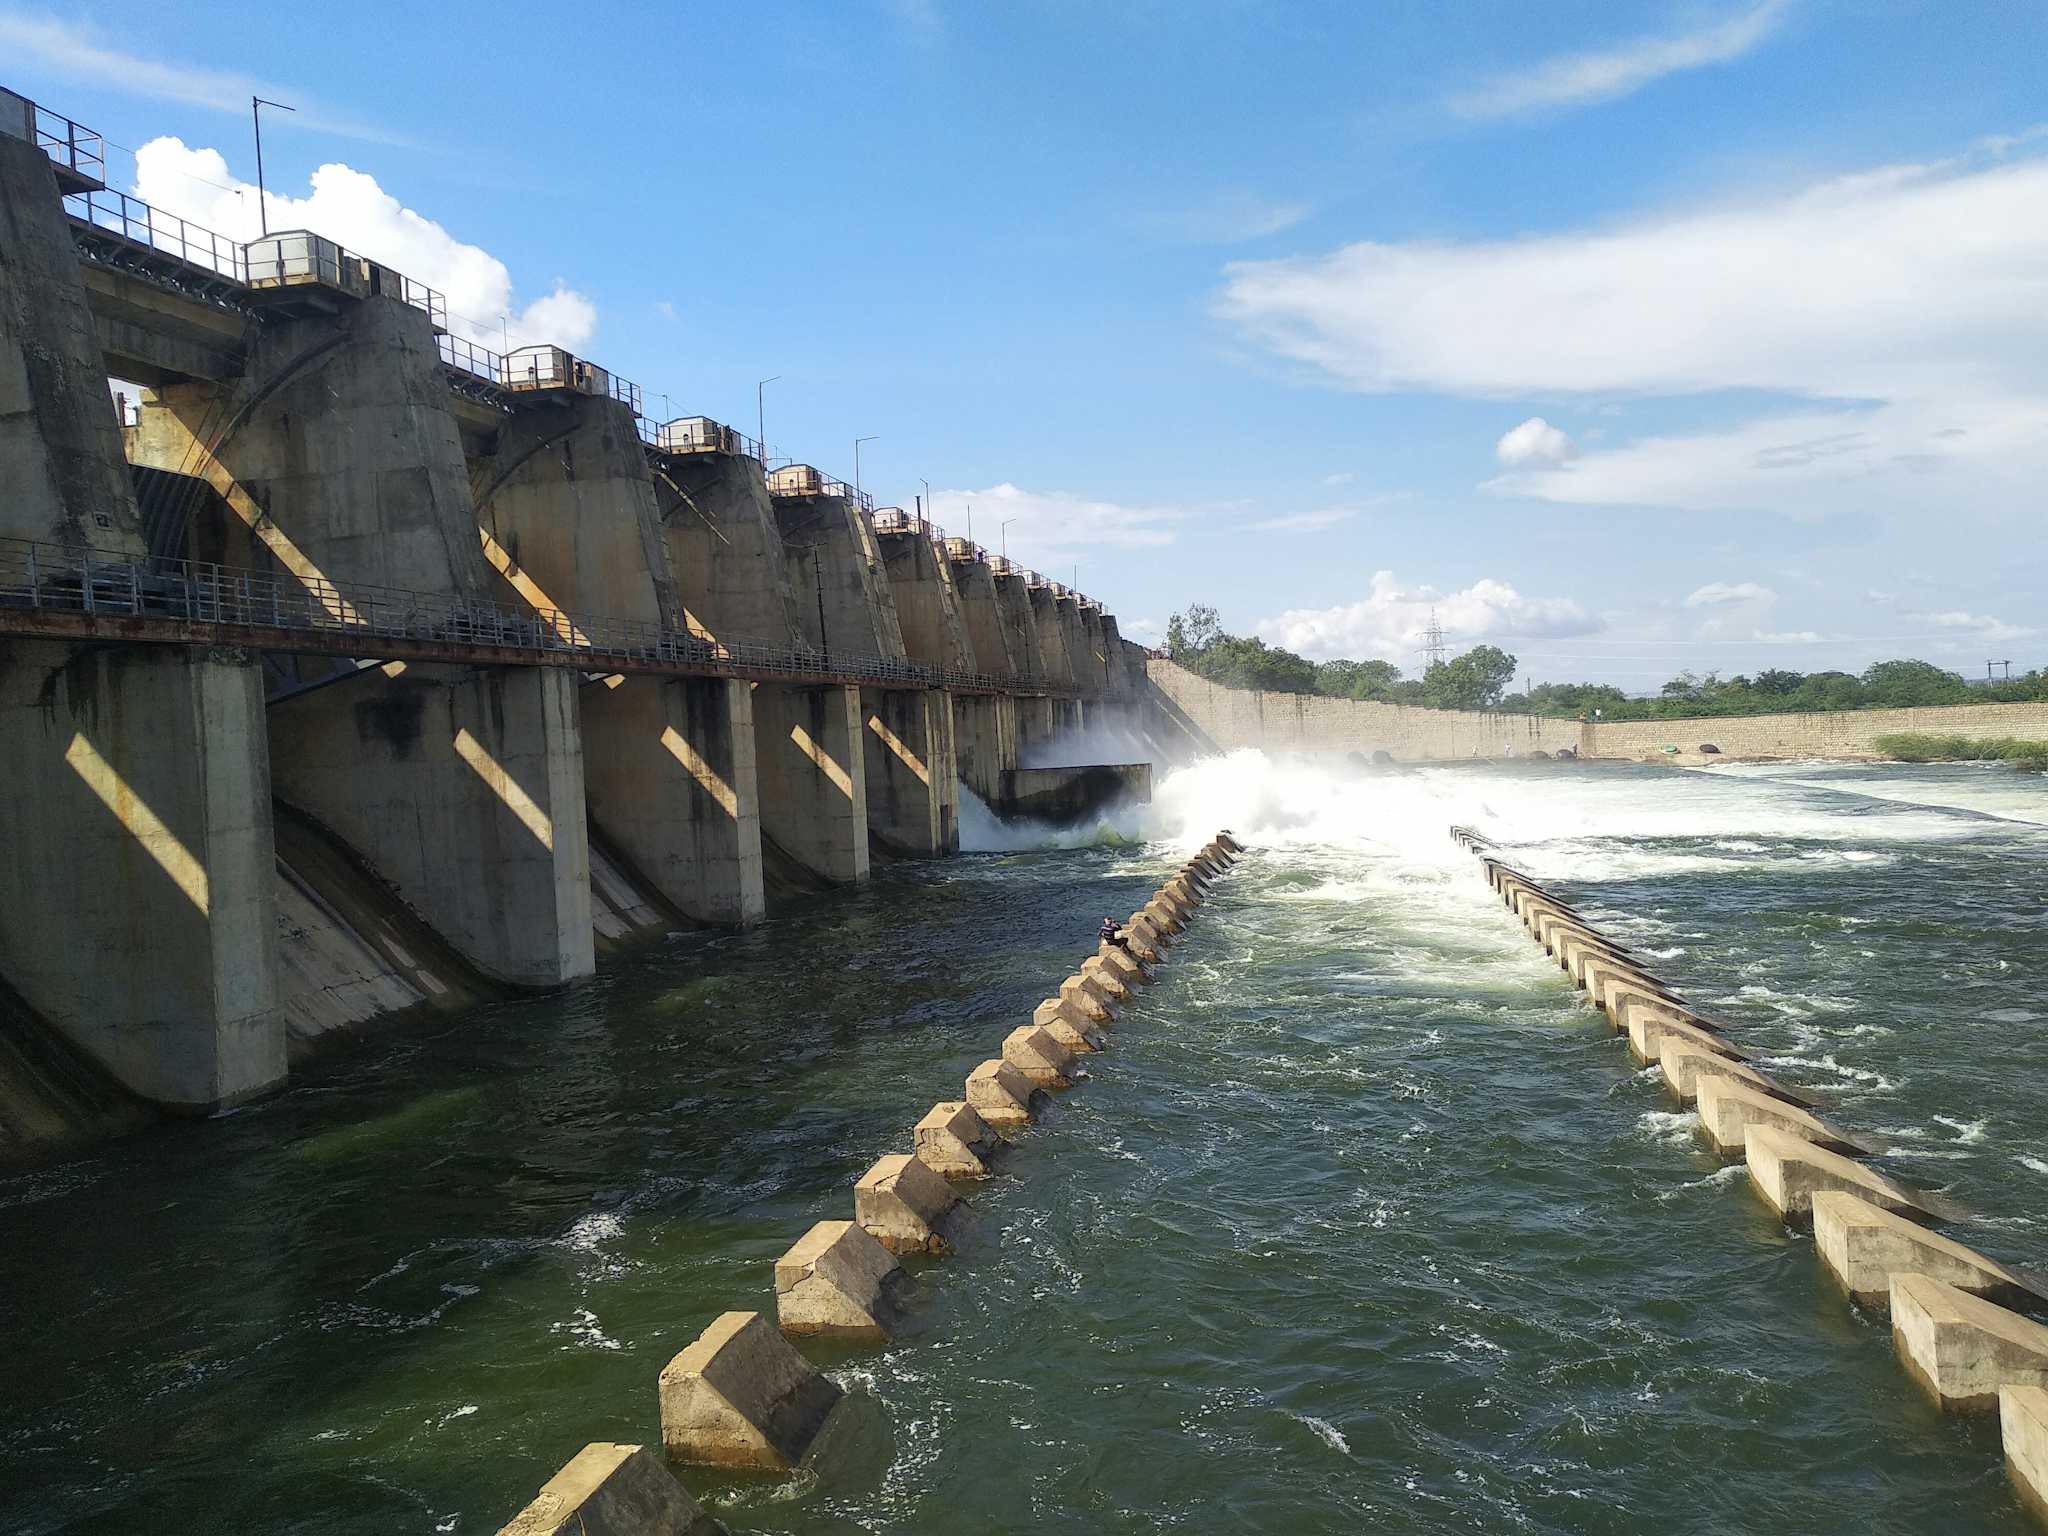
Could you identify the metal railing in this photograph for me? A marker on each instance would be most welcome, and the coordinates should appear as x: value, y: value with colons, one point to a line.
x: 76, y: 148
x: 165, y: 234
x: 459, y: 352
x: 106, y: 584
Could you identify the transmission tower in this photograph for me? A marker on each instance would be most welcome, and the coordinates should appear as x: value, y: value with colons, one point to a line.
x: 1433, y: 647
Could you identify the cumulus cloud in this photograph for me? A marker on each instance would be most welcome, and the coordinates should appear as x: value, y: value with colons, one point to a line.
x: 1047, y: 526
x: 1575, y: 79
x: 1389, y: 623
x: 1715, y: 593
x: 1535, y: 441
x: 348, y: 206
x: 1981, y: 626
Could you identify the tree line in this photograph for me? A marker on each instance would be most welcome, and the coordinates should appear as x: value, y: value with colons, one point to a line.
x: 1480, y: 679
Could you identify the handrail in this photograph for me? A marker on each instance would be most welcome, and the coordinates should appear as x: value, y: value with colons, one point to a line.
x: 139, y: 224
x: 72, y: 146
x: 113, y: 585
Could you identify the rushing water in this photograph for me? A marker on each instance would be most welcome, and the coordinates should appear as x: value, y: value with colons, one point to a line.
x: 1365, y: 1222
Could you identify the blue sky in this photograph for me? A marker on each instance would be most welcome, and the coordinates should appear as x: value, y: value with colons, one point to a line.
x: 1630, y: 337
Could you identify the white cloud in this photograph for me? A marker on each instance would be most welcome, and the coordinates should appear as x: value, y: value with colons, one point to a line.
x: 1304, y: 522
x: 76, y: 53
x: 1390, y: 622
x: 1223, y: 217
x: 349, y: 206
x: 1981, y: 626
x: 1790, y: 636
x: 1903, y: 303
x: 1048, y: 526
x: 1342, y: 477
x: 1535, y: 441
x: 1718, y: 592
x: 1140, y: 629
x: 1575, y: 79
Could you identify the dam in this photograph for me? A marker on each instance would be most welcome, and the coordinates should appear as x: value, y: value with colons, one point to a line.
x: 504, y: 892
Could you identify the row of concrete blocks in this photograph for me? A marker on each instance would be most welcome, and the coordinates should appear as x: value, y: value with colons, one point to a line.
x: 741, y: 1396
x: 1953, y: 1331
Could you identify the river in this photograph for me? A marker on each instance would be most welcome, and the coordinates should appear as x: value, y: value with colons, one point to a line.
x: 1365, y: 1222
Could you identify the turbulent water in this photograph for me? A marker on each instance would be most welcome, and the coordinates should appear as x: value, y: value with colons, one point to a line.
x: 1365, y: 1223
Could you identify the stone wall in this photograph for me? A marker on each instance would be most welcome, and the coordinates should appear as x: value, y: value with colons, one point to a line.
x: 1844, y: 733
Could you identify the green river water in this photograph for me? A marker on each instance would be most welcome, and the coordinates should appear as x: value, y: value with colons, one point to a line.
x: 1366, y: 1222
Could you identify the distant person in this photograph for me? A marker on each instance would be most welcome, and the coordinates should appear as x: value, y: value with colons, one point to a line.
x: 1109, y: 933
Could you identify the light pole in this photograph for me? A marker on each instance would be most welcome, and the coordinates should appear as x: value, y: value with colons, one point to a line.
x: 871, y: 437
x: 927, y: 499
x: 1005, y: 532
x: 761, y: 415
x: 256, y: 106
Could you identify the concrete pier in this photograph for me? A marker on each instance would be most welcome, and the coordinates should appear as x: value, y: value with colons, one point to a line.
x: 613, y: 1490
x: 913, y: 755
x: 733, y: 581
x: 1962, y: 1348
x: 1039, y: 1057
x: 569, y: 519
x: 1729, y: 1110
x: 1684, y: 1063
x: 338, y: 456
x: 838, y: 1282
x: 1086, y: 994
x: 2023, y: 1427
x: 137, y: 914
x: 1864, y: 1245
x: 740, y: 1396
x: 1067, y: 1024
x: 906, y: 1205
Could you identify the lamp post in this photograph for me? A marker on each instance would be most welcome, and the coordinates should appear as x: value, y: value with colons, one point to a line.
x: 1004, y: 531
x: 256, y: 106
x: 761, y: 415
x: 856, y: 463
x: 927, y: 499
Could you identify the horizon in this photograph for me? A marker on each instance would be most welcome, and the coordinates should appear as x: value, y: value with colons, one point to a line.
x: 1631, y: 340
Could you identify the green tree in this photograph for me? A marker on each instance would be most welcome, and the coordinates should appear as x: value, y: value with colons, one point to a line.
x: 1899, y: 684
x: 1474, y: 680
x: 1371, y: 679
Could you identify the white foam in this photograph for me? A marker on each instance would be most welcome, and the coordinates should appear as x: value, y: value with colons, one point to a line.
x: 1329, y: 1433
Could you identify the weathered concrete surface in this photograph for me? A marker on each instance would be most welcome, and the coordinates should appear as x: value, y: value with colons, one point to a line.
x: 1052, y: 637
x: 137, y: 906
x: 1041, y: 1058
x: 985, y: 740
x: 1065, y: 796
x: 1649, y: 1027
x: 993, y: 639
x: 732, y: 576
x: 1730, y: 1109
x: 955, y: 1141
x: 2023, y: 1427
x: 1067, y: 1024
x: 1019, y: 630
x: 838, y: 1282
x: 1001, y: 1094
x: 1864, y: 1245
x: 1128, y: 968
x: 612, y: 1490
x: 1788, y: 1171
x: 60, y: 446
x: 1144, y: 941
x: 1088, y: 995
x: 740, y: 1396
x: 1961, y: 1347
x: 843, y: 599
x: 906, y: 1205
x: 912, y: 774
x: 811, y: 770
x: 1683, y: 1063
x: 463, y: 789
x: 1089, y: 669
x: 1108, y: 979
x: 929, y: 612
x: 669, y: 771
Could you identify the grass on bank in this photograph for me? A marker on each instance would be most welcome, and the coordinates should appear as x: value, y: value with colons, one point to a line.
x: 1929, y: 747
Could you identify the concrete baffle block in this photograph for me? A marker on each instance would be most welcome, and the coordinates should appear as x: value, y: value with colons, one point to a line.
x: 1036, y: 1054
x: 1963, y: 1348
x: 740, y: 1396
x: 1183, y: 889
x: 1646, y: 1020
x: 613, y: 1490
x: 1089, y: 997
x: 1001, y: 1094
x: 907, y: 1207
x: 1149, y: 940
x: 1166, y: 917
x: 1227, y: 841
x: 1684, y: 1063
x: 1126, y: 966
x: 1602, y: 973
x: 954, y: 1139
x: 1729, y: 1108
x: 1788, y: 1171
x: 2023, y: 1425
x: 838, y: 1282
x: 1864, y: 1245
x: 1068, y: 1025
x: 1106, y: 979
